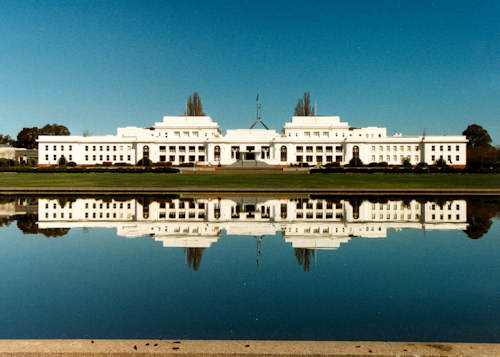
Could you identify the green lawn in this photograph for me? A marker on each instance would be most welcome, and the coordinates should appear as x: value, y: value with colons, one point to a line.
x: 344, y: 180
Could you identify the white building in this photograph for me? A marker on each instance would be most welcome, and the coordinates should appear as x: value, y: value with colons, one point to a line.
x: 315, y: 140
x: 302, y: 222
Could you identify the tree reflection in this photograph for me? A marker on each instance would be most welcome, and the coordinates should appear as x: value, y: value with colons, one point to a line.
x: 193, y: 257
x: 27, y: 223
x: 304, y: 256
x: 480, y: 211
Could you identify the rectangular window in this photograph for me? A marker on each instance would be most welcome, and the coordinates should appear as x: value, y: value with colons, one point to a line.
x: 100, y: 157
x: 319, y: 159
x: 171, y: 148
x: 440, y: 147
x: 192, y: 148
x: 100, y: 148
x: 373, y: 158
x: 408, y: 148
x: 201, y: 148
x: 181, y: 158
x: 319, y: 148
x: 86, y: 148
x: 449, y: 158
x: 172, y: 158
x: 395, y: 148
x: 201, y: 158
x: 326, y: 133
x: 55, y: 157
x: 192, y: 158
x: 93, y: 147
x: 381, y: 148
x: 86, y: 158
x: 402, y: 148
x: 114, y: 148
x: 309, y: 158
x: 177, y: 133
x: 307, y: 133
x: 121, y: 157
x: 433, y: 158
x: 316, y: 133
x: 329, y: 158
x: 93, y: 157
x: 300, y: 149
x: 128, y: 158
x: 338, y: 149
x: 457, y: 158
x: 163, y: 148
x: 46, y: 157
x: 107, y: 148
x: 182, y: 148
x: 433, y: 148
x: 381, y: 158
x: 373, y: 147
x: 55, y: 147
x: 107, y: 157
x: 416, y: 148
x: 62, y: 147
x: 46, y: 147
x: 114, y: 157
x: 449, y: 147
x: 329, y: 148
x: 299, y: 158
x: 162, y: 158
x: 457, y: 148
x: 185, y: 133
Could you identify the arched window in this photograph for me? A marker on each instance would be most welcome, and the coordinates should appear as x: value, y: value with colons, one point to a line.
x: 355, y: 152
x: 145, y: 152
x: 283, y: 152
x: 217, y: 153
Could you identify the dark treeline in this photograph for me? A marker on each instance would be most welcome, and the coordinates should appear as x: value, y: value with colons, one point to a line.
x: 26, y: 138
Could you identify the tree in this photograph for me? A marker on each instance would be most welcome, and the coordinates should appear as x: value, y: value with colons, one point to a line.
x: 303, y: 107
x: 193, y: 257
x: 441, y: 162
x: 27, y: 137
x: 477, y: 136
x: 479, y: 150
x: 194, y: 106
x: 406, y: 162
x: 7, y: 140
x: 61, y: 161
x: 355, y: 161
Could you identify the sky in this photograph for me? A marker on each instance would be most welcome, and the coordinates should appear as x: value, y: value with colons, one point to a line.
x: 97, y: 65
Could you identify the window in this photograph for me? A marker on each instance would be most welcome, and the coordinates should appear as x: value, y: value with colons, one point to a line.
x: 299, y: 158
x: 181, y: 158
x: 309, y: 148
x: 329, y: 158
x: 299, y: 148
x: 449, y: 158
x: 100, y: 157
x: 182, y: 148
x: 172, y: 158
x: 114, y: 157
x: 319, y: 159
x: 408, y: 148
x: 177, y: 133
x: 163, y: 148
x: 201, y: 158
x: 128, y: 158
x: 171, y: 148
x: 121, y: 157
x: 62, y: 147
x: 107, y: 147
x: 433, y: 148
x: 107, y: 157
x: 395, y: 148
x: 326, y: 133
x: 93, y: 157
x: 316, y: 133
x: 100, y: 148
x: 309, y: 158
x: 93, y: 147
x: 319, y: 148
x: 192, y: 158
x: 283, y: 153
x: 449, y: 147
x: 416, y: 148
x: 86, y: 157
x: 185, y: 133
x: 192, y: 148
x: 440, y: 147
x: 46, y: 157
x: 457, y: 148
x: 217, y: 153
x: 329, y: 148
x: 55, y: 147
x: 114, y: 148
x: 373, y: 147
x: 201, y: 148
x: 307, y: 133
x: 457, y: 158
x: 433, y: 158
x: 46, y: 147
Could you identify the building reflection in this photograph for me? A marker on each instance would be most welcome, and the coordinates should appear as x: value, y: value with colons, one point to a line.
x: 195, y: 224
x: 307, y: 224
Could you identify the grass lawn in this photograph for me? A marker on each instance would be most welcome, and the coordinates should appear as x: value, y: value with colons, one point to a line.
x: 343, y: 180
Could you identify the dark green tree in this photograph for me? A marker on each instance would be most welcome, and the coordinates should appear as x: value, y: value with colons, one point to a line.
x: 477, y: 136
x: 304, y: 107
x: 26, y: 138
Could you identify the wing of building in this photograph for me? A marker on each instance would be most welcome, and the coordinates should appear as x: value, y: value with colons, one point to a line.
x: 314, y: 140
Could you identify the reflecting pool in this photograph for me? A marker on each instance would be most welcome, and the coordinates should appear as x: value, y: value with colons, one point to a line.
x: 295, y: 267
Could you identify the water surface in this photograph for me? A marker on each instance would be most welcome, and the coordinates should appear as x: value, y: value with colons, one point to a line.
x: 322, y: 268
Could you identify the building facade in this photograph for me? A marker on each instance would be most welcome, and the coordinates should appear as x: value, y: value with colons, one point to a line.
x: 311, y: 140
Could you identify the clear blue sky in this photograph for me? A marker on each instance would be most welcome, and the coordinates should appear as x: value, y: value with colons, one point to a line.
x: 98, y: 65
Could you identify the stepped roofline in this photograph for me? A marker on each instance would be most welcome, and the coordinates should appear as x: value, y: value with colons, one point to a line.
x: 184, y: 121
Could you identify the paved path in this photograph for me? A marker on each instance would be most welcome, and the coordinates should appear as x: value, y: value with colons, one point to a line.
x: 102, y: 348
x: 267, y: 191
